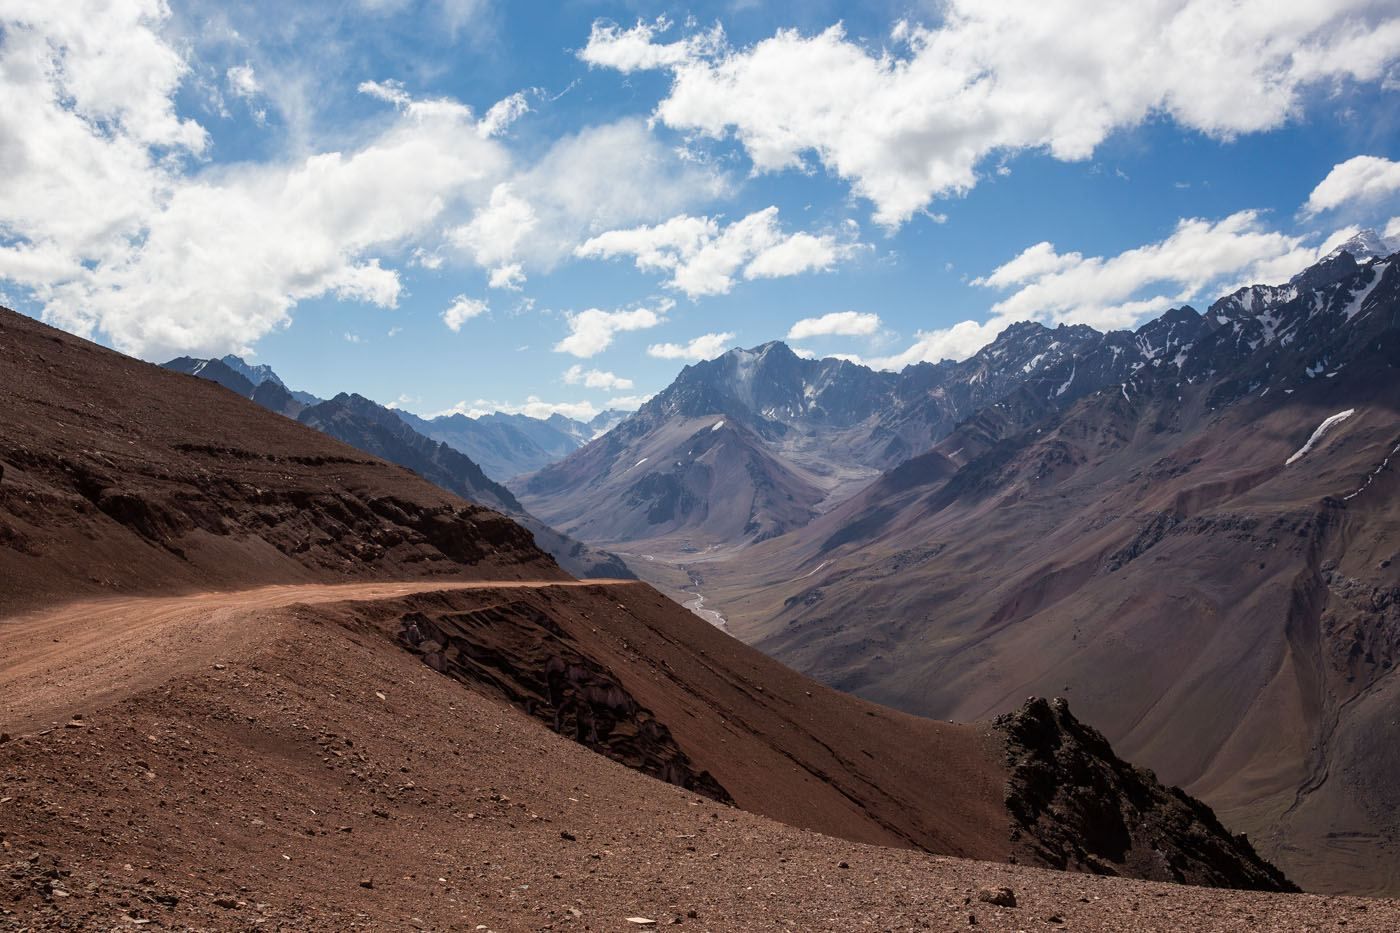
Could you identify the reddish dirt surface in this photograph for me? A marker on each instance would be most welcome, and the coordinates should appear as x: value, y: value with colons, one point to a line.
x: 316, y: 777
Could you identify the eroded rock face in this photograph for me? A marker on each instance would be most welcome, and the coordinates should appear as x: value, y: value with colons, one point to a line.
x: 518, y: 653
x: 1076, y: 805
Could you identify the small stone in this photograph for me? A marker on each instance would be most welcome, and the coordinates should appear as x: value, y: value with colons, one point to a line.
x: 1054, y: 918
x: 227, y: 903
x: 843, y: 865
x: 1000, y: 897
x: 692, y: 914
x: 366, y: 882
x: 642, y: 921
x: 565, y: 834
x: 219, y: 667
x: 4, y: 737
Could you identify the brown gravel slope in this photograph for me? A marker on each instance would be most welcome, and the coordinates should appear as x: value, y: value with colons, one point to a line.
x: 121, y: 477
x: 271, y: 790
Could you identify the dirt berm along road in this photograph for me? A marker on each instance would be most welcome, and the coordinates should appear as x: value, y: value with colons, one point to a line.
x: 99, y: 651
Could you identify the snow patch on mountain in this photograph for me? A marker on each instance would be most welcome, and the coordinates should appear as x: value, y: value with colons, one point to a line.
x: 1322, y: 429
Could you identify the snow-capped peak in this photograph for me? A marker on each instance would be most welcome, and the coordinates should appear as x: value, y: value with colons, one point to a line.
x: 1366, y: 244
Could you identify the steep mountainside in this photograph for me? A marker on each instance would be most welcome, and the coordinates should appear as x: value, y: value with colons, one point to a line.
x: 798, y: 435
x: 119, y: 477
x: 366, y: 425
x: 297, y: 726
x: 380, y: 431
x: 377, y: 430
x: 1205, y: 557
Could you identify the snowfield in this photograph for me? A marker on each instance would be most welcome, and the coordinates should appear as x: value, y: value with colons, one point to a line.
x: 1322, y: 429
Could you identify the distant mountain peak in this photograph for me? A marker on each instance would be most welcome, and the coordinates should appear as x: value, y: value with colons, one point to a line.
x: 257, y: 375
x: 1366, y: 244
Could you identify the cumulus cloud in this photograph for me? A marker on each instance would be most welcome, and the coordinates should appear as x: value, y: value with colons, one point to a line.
x: 836, y: 324
x: 592, y: 331
x: 462, y: 310
x: 636, y: 49
x: 628, y: 402
x: 916, y: 120
x: 594, y: 180
x: 494, y: 234
x: 704, y: 347
x: 129, y: 242
x: 242, y: 81
x: 1199, y: 261
x: 596, y: 379
x: 502, y: 114
x: 141, y: 241
x: 703, y: 257
x: 1363, y: 181
x: 510, y: 276
x: 1108, y: 291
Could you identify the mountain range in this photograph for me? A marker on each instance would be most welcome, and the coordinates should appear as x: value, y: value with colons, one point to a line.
x: 1191, y: 529
x: 509, y: 445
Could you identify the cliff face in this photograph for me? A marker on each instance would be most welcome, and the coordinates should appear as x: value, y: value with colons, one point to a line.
x: 1076, y: 805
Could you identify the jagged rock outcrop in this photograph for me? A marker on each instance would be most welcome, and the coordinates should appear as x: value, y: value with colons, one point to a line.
x: 1076, y: 805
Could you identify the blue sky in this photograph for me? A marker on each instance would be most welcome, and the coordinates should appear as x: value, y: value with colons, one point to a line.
x: 555, y: 206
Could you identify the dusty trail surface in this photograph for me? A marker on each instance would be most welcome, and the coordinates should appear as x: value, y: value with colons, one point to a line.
x: 98, y: 651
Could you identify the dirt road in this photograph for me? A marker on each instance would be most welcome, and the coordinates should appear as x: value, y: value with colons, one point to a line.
x: 64, y: 660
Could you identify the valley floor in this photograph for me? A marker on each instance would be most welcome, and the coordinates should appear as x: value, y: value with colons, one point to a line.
x: 265, y: 760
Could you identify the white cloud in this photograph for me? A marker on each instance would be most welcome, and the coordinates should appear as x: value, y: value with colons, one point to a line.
x: 461, y: 310
x: 502, y: 114
x: 704, y: 347
x: 600, y: 178
x: 595, y: 379
x: 242, y: 81
x: 628, y: 50
x: 1108, y: 291
x: 950, y: 343
x: 1392, y: 233
x: 1199, y: 261
x: 496, y: 231
x: 125, y: 241
x: 603, y: 178
x: 836, y: 324
x: 628, y: 402
x: 906, y: 124
x: 592, y: 331
x: 391, y: 92
x: 532, y: 407
x: 704, y: 257
x: 510, y: 276
x: 1363, y: 180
